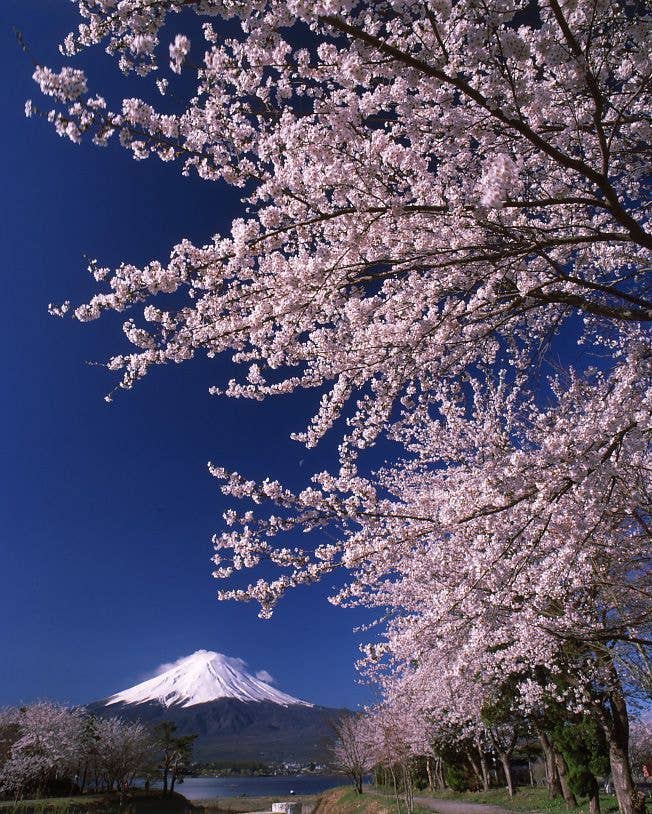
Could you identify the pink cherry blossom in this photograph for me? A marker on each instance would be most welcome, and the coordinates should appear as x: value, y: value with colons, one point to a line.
x: 434, y: 197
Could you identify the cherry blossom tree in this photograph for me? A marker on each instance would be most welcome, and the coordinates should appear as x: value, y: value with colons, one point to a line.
x: 49, y: 747
x: 124, y: 749
x: 395, y: 741
x: 397, y: 328
x: 503, y: 589
x: 352, y: 748
x: 640, y: 747
x: 436, y: 197
x: 9, y: 734
x: 434, y: 186
x: 44, y: 749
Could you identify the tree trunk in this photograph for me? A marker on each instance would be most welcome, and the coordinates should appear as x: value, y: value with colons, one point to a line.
x: 629, y: 800
x: 594, y: 798
x: 554, y: 786
x: 506, y: 763
x: 485, y: 770
x: 398, y: 799
x: 614, y: 721
x: 475, y: 767
x: 407, y: 781
x: 567, y: 794
x: 429, y: 773
x: 442, y: 781
x: 165, y: 781
x: 172, y: 782
x: 439, y: 775
x: 594, y: 804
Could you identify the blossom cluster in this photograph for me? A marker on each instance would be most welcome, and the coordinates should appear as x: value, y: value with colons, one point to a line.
x: 434, y: 196
x: 47, y: 744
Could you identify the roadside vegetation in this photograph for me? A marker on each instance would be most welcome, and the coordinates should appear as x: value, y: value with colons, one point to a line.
x: 513, y: 762
x: 349, y: 801
x: 527, y: 800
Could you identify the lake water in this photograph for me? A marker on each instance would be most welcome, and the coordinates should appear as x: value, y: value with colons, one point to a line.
x: 208, y: 788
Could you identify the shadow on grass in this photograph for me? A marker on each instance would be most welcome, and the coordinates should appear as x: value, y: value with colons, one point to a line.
x: 134, y: 803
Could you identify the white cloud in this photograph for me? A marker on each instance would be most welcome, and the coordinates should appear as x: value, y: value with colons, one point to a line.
x: 168, y: 665
x: 263, y: 675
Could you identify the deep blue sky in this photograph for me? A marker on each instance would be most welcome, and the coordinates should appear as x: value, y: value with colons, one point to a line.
x: 107, y: 510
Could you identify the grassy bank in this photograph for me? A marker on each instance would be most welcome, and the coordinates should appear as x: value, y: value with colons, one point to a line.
x: 141, y: 802
x: 335, y: 801
x: 137, y: 802
x: 348, y: 801
x: 526, y: 799
x: 57, y: 805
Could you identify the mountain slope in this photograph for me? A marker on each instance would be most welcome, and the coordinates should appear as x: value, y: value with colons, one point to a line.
x: 241, y: 731
x: 202, y: 677
x: 237, y: 716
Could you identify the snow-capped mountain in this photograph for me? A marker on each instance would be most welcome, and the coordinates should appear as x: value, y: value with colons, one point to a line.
x: 200, y: 678
x: 237, y: 716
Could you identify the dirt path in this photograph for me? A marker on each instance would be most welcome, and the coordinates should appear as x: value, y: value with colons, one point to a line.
x: 457, y: 807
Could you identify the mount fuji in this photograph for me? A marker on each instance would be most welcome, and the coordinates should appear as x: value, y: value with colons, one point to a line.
x: 200, y: 678
x: 237, y: 716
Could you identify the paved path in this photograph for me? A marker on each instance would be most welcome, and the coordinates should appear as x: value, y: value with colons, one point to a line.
x: 457, y: 807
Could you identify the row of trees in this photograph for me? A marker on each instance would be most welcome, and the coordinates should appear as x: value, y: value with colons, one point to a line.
x: 407, y: 754
x: 445, y: 232
x: 48, y: 749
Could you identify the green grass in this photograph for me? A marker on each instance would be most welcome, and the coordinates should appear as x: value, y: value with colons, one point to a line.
x: 136, y: 802
x: 56, y: 805
x: 141, y: 802
x: 348, y: 801
x: 526, y: 799
x: 336, y: 801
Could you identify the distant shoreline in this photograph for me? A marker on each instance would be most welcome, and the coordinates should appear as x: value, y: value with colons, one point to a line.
x: 247, y: 789
x: 236, y: 775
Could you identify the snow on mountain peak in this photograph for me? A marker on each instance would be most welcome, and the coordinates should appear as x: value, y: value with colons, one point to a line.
x: 202, y: 677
